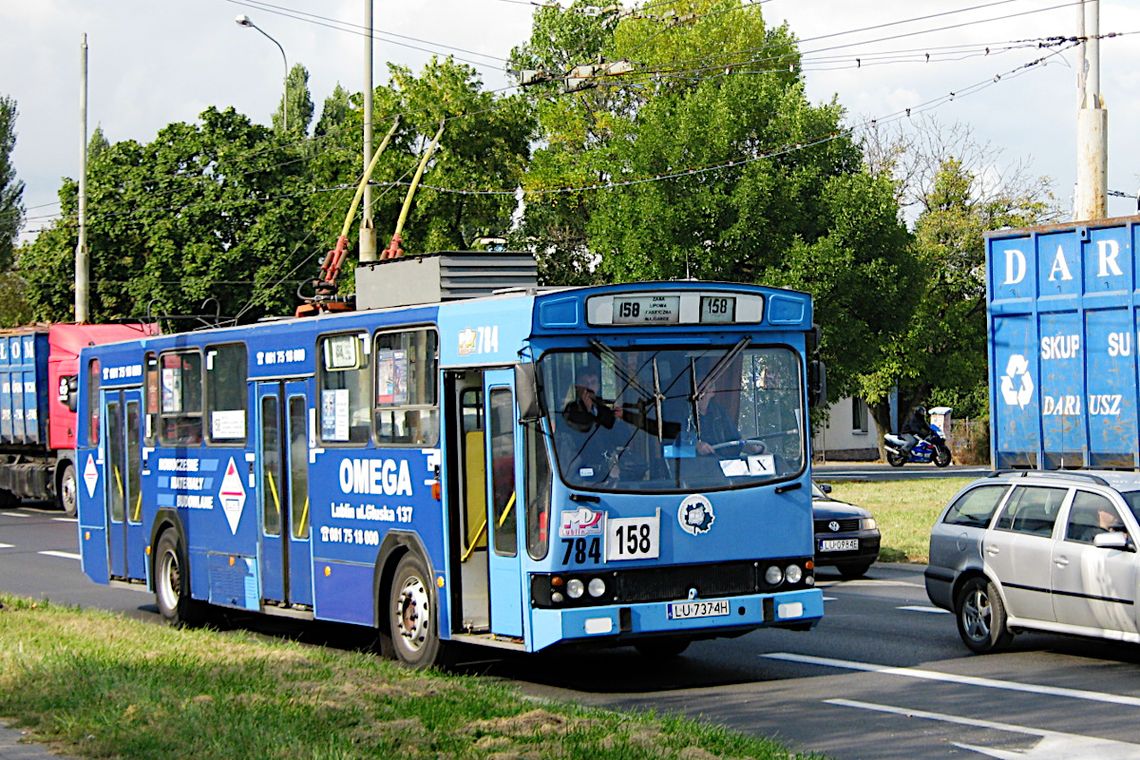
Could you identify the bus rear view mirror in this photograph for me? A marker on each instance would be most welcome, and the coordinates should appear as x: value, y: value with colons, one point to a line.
x: 526, y: 391
x: 817, y: 383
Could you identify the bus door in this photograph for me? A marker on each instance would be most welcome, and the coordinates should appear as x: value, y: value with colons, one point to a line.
x: 502, y: 495
x: 123, y: 491
x: 283, y: 487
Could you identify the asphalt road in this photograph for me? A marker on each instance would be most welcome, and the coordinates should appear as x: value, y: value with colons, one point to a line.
x: 883, y: 676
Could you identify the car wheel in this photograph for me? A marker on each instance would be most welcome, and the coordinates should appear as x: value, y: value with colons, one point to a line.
x: 854, y: 570
x: 981, y: 617
x: 411, y: 612
x: 941, y: 455
x: 896, y: 458
x: 172, y: 583
x: 662, y: 648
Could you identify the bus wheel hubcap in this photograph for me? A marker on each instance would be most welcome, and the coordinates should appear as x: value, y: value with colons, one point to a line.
x: 412, y: 610
x: 170, y: 580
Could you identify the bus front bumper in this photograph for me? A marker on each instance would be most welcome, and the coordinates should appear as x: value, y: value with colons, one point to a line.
x: 802, y: 608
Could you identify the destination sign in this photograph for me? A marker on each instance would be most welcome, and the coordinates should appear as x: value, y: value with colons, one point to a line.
x: 647, y: 310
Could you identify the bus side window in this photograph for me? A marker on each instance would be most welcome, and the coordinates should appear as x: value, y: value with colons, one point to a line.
x: 226, y: 368
x: 343, y: 387
x: 151, y: 417
x: 180, y: 380
x: 538, y: 480
x: 406, y: 405
x: 93, y: 377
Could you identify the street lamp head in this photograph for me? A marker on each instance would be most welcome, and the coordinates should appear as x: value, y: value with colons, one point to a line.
x: 243, y: 20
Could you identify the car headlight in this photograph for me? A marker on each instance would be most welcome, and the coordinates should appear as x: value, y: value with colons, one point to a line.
x: 868, y: 523
x: 773, y: 575
x: 575, y: 588
x: 793, y: 573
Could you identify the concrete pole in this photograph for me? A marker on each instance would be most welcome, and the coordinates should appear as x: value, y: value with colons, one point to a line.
x: 1091, y: 201
x: 81, y: 264
x: 367, y: 228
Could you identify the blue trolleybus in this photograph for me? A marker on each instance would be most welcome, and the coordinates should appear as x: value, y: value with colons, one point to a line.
x: 624, y: 464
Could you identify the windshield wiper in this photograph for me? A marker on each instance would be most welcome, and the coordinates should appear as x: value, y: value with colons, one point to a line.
x: 694, y: 396
x: 658, y: 397
x: 719, y: 368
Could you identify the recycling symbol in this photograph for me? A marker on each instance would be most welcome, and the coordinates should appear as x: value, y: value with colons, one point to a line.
x: 1016, y: 384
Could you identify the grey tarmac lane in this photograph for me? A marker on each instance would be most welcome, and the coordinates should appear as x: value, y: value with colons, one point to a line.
x: 883, y: 676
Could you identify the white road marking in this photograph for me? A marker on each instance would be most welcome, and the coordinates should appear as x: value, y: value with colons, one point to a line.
x: 5, y: 546
x: 1053, y: 744
x: 934, y: 675
x: 829, y: 598
x: 65, y: 519
x: 920, y: 608
x: 14, y: 514
x: 63, y: 555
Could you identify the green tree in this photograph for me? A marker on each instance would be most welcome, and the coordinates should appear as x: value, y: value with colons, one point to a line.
x: 299, y: 102
x: 205, y: 211
x: 11, y: 188
x: 949, y: 180
x: 715, y: 165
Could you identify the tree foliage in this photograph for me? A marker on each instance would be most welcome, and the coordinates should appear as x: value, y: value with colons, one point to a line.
x: 713, y: 165
x: 11, y: 188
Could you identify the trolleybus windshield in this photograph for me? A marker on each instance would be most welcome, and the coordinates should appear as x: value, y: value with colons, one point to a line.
x: 672, y: 419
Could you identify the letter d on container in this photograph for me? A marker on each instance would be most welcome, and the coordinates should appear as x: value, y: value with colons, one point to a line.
x: 1014, y: 266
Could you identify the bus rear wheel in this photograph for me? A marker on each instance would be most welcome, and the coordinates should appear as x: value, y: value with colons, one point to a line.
x: 172, y: 583
x: 411, y: 614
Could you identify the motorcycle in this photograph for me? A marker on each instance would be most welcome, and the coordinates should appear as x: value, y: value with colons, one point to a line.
x: 932, y: 448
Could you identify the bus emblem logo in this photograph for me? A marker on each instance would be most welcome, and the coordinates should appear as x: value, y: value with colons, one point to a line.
x: 232, y: 495
x: 581, y: 522
x: 696, y: 515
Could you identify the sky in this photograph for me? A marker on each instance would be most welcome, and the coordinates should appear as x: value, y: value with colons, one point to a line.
x: 153, y: 62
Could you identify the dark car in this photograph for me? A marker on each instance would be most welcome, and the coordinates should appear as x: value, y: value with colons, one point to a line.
x: 846, y: 536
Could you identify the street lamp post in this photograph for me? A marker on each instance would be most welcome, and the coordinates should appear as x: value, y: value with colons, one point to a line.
x: 244, y: 20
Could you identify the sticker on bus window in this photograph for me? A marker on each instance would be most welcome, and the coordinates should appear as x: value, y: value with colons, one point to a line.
x: 334, y: 414
x: 391, y: 377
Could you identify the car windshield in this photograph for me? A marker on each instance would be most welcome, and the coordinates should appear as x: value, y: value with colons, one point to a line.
x: 1132, y: 499
x: 694, y: 419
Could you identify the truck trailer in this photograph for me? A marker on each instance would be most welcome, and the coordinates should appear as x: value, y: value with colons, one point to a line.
x: 38, y: 366
x: 1062, y: 306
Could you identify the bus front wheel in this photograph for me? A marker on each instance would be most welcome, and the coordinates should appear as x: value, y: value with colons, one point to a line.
x: 411, y: 614
x: 172, y: 583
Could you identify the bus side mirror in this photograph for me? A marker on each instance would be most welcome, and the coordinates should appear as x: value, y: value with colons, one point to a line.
x: 69, y: 391
x: 526, y: 391
x: 817, y: 383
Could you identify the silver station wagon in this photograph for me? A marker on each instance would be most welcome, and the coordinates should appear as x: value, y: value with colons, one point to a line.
x: 1039, y: 550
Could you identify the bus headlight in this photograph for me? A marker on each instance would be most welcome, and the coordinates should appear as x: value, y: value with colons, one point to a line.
x: 556, y: 597
x: 597, y: 587
x: 794, y: 574
x: 773, y: 575
x: 575, y: 588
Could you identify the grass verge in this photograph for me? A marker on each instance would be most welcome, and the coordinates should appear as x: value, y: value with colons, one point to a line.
x: 99, y: 685
x: 904, y: 509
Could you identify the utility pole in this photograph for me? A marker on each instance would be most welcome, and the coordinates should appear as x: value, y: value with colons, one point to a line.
x: 367, y: 228
x: 81, y: 281
x: 1091, y: 197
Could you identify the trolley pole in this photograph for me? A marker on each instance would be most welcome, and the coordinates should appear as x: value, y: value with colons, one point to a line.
x: 367, y: 228
x: 81, y: 263
x: 1091, y: 197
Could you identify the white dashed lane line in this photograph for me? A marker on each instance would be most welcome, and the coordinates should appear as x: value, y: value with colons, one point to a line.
x: 14, y: 514
x: 934, y: 675
x: 62, y: 555
x: 5, y: 546
x: 920, y: 608
x: 65, y: 519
